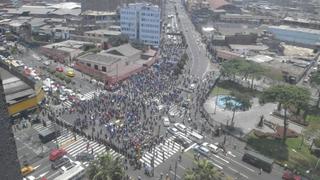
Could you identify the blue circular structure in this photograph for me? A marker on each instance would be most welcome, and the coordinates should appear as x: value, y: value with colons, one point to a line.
x: 222, y: 101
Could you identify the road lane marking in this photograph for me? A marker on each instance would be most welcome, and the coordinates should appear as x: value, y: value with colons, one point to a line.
x: 182, y: 167
x: 176, y: 174
x: 238, y: 172
x: 193, y: 145
x: 216, y: 165
x: 241, y: 164
x: 229, y: 152
x: 43, y: 174
x: 221, y: 158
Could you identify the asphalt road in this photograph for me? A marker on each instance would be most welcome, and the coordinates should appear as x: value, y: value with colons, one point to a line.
x: 200, y: 62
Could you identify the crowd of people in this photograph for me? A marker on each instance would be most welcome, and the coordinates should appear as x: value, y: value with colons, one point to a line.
x: 128, y: 120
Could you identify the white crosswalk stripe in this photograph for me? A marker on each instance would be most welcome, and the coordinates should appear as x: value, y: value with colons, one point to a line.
x: 161, y: 152
x: 67, y: 104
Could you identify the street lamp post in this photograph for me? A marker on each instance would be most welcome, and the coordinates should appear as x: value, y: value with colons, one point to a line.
x: 175, y: 170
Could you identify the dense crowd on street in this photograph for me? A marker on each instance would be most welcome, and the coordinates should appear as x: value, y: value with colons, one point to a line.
x: 128, y: 120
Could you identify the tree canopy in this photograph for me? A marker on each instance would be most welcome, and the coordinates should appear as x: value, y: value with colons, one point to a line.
x: 204, y: 170
x: 243, y: 68
x: 106, y: 168
x: 287, y: 96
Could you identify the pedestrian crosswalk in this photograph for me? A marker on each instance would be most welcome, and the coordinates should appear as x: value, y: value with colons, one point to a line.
x: 80, y: 144
x: 75, y: 144
x: 91, y: 94
x: 67, y: 104
x: 161, y: 152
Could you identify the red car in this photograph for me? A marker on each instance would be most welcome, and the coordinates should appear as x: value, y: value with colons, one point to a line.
x: 288, y: 175
x: 57, y: 154
x: 59, y: 69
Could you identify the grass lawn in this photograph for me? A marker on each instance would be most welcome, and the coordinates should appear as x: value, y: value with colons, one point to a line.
x: 294, y: 153
x: 220, y: 91
x: 226, y: 87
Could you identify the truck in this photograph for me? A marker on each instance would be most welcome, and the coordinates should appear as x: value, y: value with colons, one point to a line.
x: 48, y: 135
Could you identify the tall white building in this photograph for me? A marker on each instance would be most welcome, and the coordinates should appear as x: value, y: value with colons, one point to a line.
x: 141, y: 21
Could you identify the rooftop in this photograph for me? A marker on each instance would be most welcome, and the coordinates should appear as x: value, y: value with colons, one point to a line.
x: 103, y: 32
x: 289, y: 28
x: 123, y: 50
x: 14, y: 88
x: 98, y: 13
x: 67, y: 44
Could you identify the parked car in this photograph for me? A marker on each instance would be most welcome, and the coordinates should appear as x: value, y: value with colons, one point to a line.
x: 59, y: 69
x: 84, y: 156
x: 180, y: 127
x: 60, y: 162
x: 166, y: 121
x: 47, y: 63
x: 182, y: 142
x: 25, y: 170
x: 213, y: 148
x: 70, y: 72
x: 202, y: 150
x: 62, y: 97
x: 56, y: 154
x: 288, y: 175
x: 172, y: 130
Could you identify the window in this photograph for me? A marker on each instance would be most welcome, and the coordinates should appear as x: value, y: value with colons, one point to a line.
x: 88, y: 64
x: 104, y: 69
x: 96, y: 67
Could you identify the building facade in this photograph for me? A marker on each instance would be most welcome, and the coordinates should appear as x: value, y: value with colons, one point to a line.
x: 142, y: 22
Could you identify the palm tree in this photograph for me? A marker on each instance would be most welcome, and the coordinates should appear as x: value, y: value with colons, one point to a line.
x: 287, y: 96
x: 106, y: 168
x: 204, y: 170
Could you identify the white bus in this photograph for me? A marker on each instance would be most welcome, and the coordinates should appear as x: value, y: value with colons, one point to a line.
x: 75, y: 173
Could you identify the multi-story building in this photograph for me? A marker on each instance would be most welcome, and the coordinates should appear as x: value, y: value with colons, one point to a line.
x: 142, y: 22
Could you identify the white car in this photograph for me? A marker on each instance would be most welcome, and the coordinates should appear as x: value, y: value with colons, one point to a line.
x: 47, y: 63
x: 166, y: 121
x: 81, y: 97
x: 62, y: 98
x: 180, y: 127
x: 172, y: 130
x: 45, y: 88
x: 213, y: 148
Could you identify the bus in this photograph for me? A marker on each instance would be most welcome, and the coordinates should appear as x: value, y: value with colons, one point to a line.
x: 77, y: 172
x: 258, y: 160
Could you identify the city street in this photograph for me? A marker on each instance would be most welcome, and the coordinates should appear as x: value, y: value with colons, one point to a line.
x: 129, y: 123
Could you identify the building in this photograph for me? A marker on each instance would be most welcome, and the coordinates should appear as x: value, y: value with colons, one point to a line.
x: 102, y: 33
x: 109, y: 5
x: 142, y: 22
x: 8, y: 149
x: 301, y: 36
x: 115, y: 64
x: 99, y: 19
x: 65, y: 51
x: 21, y: 93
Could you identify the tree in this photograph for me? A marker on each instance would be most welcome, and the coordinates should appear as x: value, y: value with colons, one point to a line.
x: 237, y: 101
x: 204, y: 170
x: 315, y: 81
x: 243, y: 68
x: 287, y: 96
x: 106, y: 168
